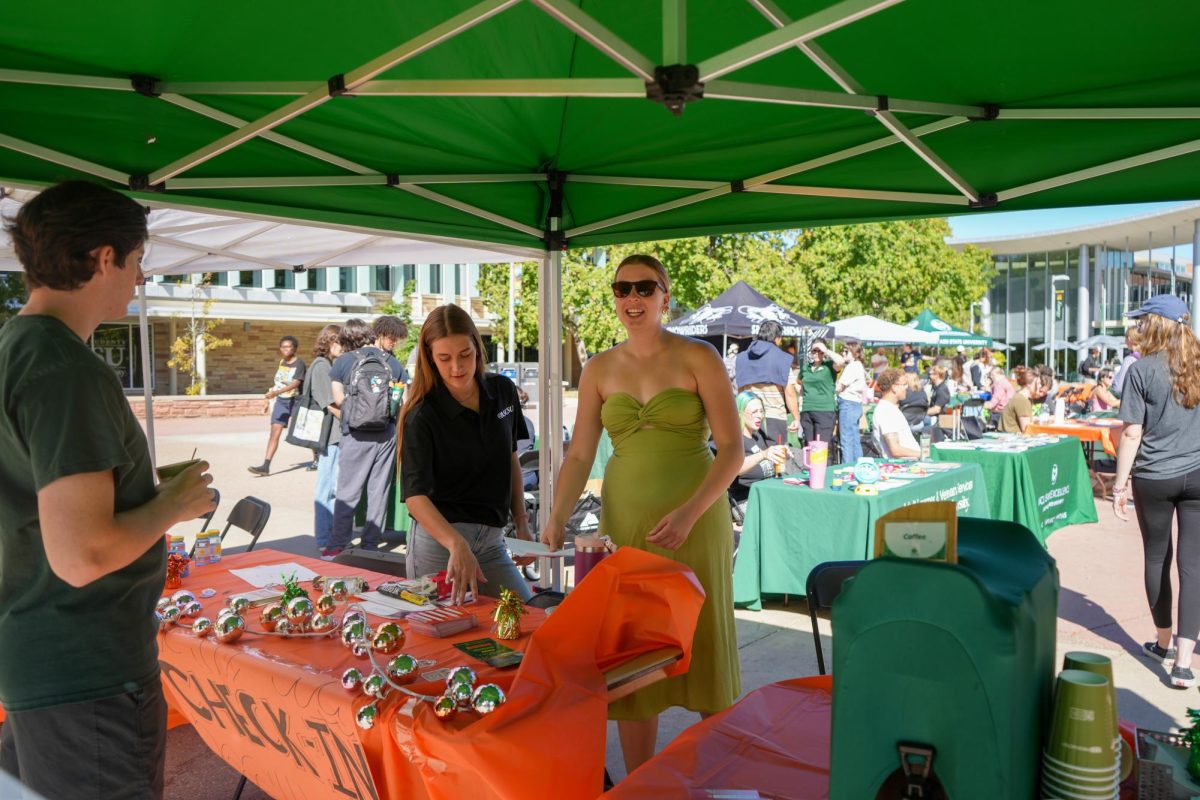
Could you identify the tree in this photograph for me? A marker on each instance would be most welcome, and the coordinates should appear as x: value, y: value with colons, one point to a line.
x: 493, y: 290
x: 403, y: 311
x: 198, y: 337
x: 890, y: 270
x: 12, y: 295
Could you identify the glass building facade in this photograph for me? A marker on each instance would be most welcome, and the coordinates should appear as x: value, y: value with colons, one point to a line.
x: 1025, y: 302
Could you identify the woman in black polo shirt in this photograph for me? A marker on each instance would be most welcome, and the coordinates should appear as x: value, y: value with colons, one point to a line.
x: 459, y: 474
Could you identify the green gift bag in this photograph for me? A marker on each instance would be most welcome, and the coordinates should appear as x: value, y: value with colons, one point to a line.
x: 956, y: 656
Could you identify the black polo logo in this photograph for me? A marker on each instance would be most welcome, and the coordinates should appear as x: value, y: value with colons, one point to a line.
x: 504, y: 413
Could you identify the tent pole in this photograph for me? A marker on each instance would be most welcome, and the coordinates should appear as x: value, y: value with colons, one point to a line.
x: 147, y: 372
x: 550, y: 366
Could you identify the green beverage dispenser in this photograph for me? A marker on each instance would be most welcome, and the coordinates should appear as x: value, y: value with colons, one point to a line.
x: 945, y: 665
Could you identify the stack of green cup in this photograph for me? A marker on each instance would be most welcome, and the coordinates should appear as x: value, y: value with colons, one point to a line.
x: 1080, y: 761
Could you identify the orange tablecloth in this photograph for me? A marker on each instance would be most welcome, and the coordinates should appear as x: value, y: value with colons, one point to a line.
x: 775, y: 740
x: 274, y: 708
x: 1080, y: 430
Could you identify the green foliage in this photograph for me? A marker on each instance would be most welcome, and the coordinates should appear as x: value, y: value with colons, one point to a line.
x: 403, y: 311
x: 12, y: 295
x: 890, y: 270
x: 493, y: 290
x: 198, y: 330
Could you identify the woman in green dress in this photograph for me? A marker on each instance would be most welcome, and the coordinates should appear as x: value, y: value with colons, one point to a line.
x: 658, y: 394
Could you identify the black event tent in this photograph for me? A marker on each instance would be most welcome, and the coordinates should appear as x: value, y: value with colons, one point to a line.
x: 738, y: 311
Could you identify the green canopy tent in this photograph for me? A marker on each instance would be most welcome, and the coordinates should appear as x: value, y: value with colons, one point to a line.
x: 948, y: 335
x: 541, y: 124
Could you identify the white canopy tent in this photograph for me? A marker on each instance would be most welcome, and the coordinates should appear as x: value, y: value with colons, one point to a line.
x: 186, y: 242
x: 866, y: 328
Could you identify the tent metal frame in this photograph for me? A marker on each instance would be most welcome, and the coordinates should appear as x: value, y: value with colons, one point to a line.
x: 363, y: 81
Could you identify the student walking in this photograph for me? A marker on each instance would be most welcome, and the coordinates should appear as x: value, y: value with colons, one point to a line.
x: 1161, y: 411
x: 288, y: 377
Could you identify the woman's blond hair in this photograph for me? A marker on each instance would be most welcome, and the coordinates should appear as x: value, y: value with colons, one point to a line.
x: 646, y: 260
x: 443, y: 321
x: 1157, y: 333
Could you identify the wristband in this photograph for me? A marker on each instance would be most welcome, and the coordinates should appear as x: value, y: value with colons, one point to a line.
x: 1116, y: 491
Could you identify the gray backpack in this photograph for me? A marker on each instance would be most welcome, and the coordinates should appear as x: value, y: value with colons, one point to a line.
x: 366, y: 407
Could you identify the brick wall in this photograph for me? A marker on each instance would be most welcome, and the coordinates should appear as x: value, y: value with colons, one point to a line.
x: 247, y: 367
x: 189, y: 407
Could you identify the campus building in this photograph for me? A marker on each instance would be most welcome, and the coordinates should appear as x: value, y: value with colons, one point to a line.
x: 1075, y: 283
x: 257, y: 308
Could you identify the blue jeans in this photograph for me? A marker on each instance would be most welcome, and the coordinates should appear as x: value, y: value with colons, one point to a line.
x: 325, y: 495
x: 426, y: 556
x: 848, y: 416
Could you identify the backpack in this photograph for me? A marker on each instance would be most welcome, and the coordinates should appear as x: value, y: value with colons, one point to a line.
x: 368, y: 394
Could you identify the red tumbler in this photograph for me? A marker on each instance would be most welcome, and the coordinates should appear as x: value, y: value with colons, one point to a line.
x: 589, y: 551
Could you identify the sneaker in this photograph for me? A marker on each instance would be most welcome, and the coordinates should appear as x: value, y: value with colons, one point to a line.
x: 330, y: 553
x: 1164, y: 655
x: 261, y: 471
x: 1182, y: 678
x: 312, y: 467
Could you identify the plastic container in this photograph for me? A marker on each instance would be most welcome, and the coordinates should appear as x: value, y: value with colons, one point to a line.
x: 959, y: 657
x: 203, y: 552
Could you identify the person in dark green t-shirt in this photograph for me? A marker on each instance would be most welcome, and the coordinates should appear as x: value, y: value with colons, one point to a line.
x: 820, y: 404
x: 82, y: 553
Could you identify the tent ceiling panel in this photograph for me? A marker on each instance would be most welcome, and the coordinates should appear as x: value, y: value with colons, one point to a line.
x: 184, y: 242
x: 929, y: 52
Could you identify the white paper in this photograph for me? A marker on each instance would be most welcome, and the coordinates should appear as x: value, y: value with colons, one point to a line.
x: 395, y: 604
x: 273, y: 574
x: 523, y: 547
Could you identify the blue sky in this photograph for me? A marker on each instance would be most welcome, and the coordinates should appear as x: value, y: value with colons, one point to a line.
x: 1019, y: 222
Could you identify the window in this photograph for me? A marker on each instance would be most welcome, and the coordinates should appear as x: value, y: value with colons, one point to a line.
x: 346, y: 282
x: 458, y: 287
x: 435, y: 279
x: 317, y: 279
x: 285, y: 279
x: 249, y: 278
x: 408, y: 275
x: 381, y: 278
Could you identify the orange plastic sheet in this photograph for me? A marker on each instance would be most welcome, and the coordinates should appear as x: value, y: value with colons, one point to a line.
x: 549, y: 738
x: 775, y: 740
x: 1086, y: 433
x: 275, y: 709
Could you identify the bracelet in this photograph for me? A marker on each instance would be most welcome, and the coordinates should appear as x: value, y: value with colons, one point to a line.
x: 1116, y: 491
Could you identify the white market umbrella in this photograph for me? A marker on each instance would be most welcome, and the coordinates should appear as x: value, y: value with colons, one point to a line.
x: 866, y: 328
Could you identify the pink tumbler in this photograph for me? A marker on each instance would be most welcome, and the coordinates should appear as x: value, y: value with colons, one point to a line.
x: 589, y: 551
x: 816, y: 459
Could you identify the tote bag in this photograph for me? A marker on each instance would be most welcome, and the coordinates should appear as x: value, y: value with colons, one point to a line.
x: 310, y: 424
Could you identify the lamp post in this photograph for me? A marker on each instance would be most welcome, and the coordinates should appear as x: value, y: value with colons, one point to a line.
x: 1054, y: 279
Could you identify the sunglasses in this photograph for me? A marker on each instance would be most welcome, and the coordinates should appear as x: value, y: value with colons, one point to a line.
x: 643, y: 288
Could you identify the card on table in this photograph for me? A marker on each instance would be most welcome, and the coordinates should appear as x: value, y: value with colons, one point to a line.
x: 491, y: 652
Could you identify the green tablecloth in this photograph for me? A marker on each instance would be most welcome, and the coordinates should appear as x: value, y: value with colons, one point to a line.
x: 1044, y: 488
x: 791, y: 529
x: 395, y: 516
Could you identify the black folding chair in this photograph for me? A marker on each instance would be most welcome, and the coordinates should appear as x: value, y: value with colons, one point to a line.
x: 374, y: 560
x: 823, y: 586
x: 249, y: 514
x: 206, y: 520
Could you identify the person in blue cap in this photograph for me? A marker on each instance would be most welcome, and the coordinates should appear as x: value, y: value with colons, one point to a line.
x: 1158, y: 448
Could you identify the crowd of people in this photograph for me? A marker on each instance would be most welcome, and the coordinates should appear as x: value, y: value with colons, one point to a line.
x: 82, y: 516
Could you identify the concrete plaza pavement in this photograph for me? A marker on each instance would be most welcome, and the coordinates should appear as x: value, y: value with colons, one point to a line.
x: 1102, y: 606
